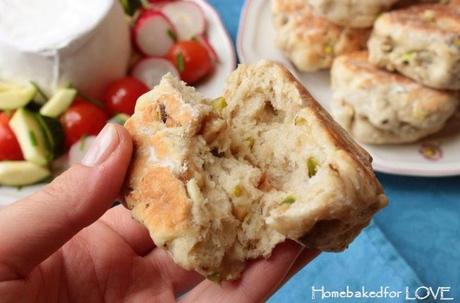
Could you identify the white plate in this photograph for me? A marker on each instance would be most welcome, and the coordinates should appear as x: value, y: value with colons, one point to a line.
x: 438, y: 156
x: 211, y: 87
x: 223, y: 45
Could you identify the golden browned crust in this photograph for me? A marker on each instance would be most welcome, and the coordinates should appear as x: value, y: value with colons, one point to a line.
x: 381, y: 107
x: 164, y: 203
x: 155, y: 190
x: 311, y: 41
x: 351, y: 13
x: 358, y: 62
x: 427, y: 18
x: 421, y: 42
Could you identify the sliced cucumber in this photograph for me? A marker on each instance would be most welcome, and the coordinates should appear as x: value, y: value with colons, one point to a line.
x: 31, y: 137
x: 130, y: 6
x: 20, y: 173
x: 33, y: 107
x: 119, y: 119
x: 54, y: 134
x: 59, y: 102
x: 40, y: 97
x: 13, y: 95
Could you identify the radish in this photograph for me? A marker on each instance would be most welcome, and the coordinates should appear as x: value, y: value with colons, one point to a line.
x: 205, y: 42
x: 153, y: 33
x: 151, y: 70
x: 187, y: 17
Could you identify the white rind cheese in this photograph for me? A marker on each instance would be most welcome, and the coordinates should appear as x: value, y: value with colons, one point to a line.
x: 61, y: 42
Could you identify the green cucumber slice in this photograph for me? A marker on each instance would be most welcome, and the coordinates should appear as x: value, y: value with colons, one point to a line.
x: 33, y: 141
x: 13, y: 95
x: 59, y: 102
x: 130, y: 6
x: 20, y: 173
x: 40, y: 97
x: 119, y: 119
x: 54, y: 133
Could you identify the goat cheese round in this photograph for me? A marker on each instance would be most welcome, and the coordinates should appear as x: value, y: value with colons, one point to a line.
x: 60, y: 42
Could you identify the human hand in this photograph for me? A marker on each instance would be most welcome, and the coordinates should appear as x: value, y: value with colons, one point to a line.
x: 65, y: 244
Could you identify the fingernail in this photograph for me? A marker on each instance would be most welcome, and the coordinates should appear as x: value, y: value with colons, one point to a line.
x: 104, y: 145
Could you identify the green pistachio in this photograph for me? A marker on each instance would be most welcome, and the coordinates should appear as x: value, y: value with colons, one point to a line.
x: 300, y: 121
x: 250, y: 142
x: 214, y: 277
x: 288, y: 200
x: 219, y: 104
x: 407, y: 56
x: 237, y: 191
x: 312, y: 166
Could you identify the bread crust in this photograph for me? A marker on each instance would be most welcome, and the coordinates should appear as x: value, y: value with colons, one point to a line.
x: 351, y: 13
x: 309, y: 40
x: 421, y: 42
x: 380, y: 107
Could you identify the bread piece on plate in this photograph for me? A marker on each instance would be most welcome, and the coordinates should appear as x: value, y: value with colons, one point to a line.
x: 351, y: 13
x: 220, y: 182
x: 380, y: 107
x: 421, y: 42
x: 310, y: 41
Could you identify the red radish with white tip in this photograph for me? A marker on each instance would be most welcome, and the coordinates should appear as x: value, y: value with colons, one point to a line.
x: 205, y: 42
x: 187, y: 17
x: 151, y: 70
x: 153, y: 33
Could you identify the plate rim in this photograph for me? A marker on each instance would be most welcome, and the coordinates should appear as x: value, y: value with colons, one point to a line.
x: 228, y: 39
x: 378, y: 164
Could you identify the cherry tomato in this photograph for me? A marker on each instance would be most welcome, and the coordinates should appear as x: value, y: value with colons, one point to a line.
x: 191, y: 59
x: 82, y: 119
x: 9, y: 145
x: 121, y: 95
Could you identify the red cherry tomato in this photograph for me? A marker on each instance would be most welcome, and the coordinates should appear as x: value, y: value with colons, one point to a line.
x: 9, y: 145
x: 191, y: 59
x: 82, y: 119
x: 121, y: 95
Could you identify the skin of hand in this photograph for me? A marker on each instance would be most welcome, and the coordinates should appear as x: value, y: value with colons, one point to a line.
x: 66, y: 244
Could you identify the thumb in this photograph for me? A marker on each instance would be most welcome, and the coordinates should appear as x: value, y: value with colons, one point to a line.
x: 34, y: 228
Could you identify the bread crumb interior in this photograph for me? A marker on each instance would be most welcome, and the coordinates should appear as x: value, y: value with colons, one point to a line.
x: 248, y: 159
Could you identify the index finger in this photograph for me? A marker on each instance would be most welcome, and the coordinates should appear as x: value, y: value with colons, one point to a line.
x: 34, y: 228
